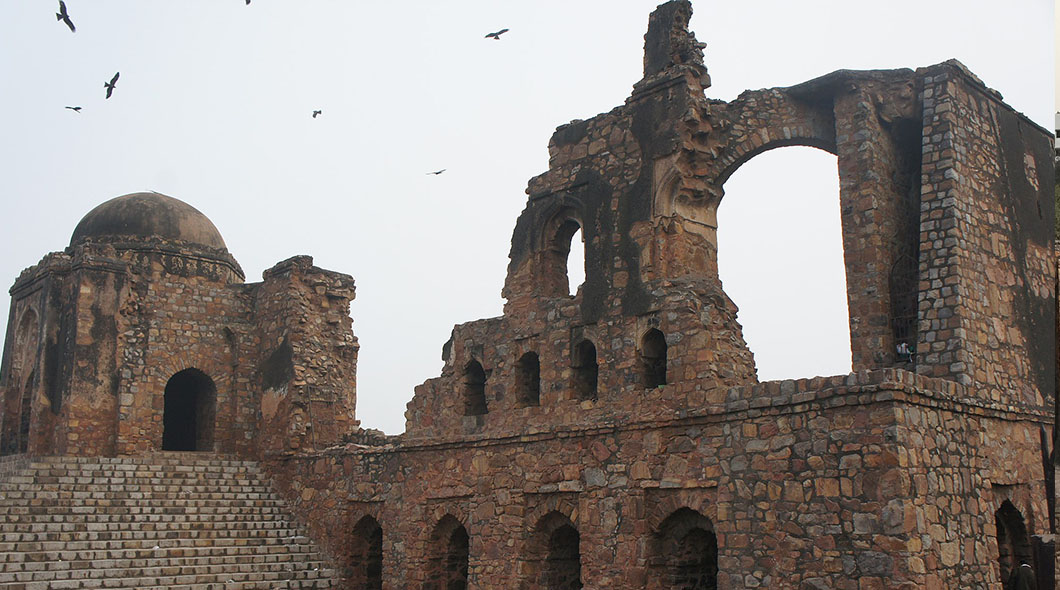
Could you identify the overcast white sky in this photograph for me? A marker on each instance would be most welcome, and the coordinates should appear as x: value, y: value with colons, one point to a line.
x: 213, y: 107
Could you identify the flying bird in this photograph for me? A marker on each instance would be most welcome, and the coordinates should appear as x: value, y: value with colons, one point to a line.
x: 437, y: 172
x: 63, y: 16
x: 315, y: 113
x: 110, y: 85
x: 75, y: 109
x: 497, y: 36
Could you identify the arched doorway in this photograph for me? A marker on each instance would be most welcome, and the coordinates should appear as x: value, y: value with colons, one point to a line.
x: 367, y: 554
x: 553, y: 554
x: 449, y: 556
x: 189, y: 413
x: 685, y: 552
x: 1013, y: 543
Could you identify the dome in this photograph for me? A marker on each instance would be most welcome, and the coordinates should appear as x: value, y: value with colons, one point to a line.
x: 147, y: 215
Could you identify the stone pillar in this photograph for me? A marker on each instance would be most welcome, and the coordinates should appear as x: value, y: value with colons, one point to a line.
x: 870, y: 204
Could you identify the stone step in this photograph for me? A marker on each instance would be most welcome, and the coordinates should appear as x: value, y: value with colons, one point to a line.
x: 55, y: 514
x: 168, y: 557
x: 163, y: 577
x: 180, y: 520
x: 262, y: 534
x: 51, y: 562
x: 84, y: 551
x: 30, y: 504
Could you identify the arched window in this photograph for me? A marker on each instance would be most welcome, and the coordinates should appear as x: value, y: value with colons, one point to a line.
x: 1013, y: 542
x: 189, y: 412
x: 367, y: 554
x: 554, y: 554
x: 563, y: 256
x: 528, y: 380
x: 653, y: 359
x: 474, y: 389
x: 586, y: 371
x: 685, y: 552
x: 448, y: 562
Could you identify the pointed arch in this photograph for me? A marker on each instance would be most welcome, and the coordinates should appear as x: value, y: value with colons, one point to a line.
x: 1013, y: 541
x: 684, y: 552
x: 448, y: 555
x: 553, y: 554
x: 366, y: 569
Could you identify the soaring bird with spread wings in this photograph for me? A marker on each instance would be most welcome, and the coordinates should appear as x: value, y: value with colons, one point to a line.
x: 497, y: 35
x: 110, y: 85
x: 64, y: 16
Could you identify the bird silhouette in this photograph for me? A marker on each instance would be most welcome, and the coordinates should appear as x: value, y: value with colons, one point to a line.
x: 437, y: 172
x: 75, y: 109
x: 110, y: 85
x: 63, y: 16
x: 315, y: 113
x: 496, y: 36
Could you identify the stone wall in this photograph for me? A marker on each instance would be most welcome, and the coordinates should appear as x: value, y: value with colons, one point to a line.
x: 871, y: 478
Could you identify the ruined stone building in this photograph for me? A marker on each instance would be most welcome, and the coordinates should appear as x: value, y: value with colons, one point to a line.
x: 619, y: 437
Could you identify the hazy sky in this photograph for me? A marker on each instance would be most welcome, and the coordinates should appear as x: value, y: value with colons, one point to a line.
x: 214, y: 101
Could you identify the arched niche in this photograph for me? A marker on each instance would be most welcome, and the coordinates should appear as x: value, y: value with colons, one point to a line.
x: 449, y: 554
x: 366, y: 554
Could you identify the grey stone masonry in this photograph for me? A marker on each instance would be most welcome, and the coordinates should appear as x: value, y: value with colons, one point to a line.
x: 168, y: 520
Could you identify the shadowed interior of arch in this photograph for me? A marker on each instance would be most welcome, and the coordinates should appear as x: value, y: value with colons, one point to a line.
x: 189, y: 412
x: 780, y: 259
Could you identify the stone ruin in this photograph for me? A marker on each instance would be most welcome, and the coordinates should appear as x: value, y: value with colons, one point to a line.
x: 619, y: 437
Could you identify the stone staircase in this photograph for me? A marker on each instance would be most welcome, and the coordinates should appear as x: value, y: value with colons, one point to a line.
x: 169, y: 520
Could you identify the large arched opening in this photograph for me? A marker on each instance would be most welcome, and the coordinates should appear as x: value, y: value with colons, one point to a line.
x: 189, y: 412
x: 780, y: 259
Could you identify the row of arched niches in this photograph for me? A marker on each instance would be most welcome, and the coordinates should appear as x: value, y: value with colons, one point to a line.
x: 682, y: 552
x: 584, y: 375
